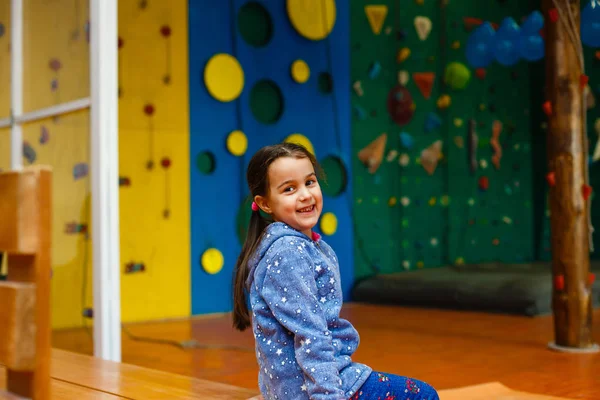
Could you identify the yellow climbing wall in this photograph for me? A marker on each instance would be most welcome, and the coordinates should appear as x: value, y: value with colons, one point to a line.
x: 56, y: 69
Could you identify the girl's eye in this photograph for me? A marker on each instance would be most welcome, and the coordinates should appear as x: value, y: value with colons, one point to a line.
x: 310, y: 182
x: 288, y: 189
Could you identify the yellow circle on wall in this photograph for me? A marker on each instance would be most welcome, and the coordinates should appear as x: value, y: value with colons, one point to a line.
x: 300, y: 71
x: 329, y: 223
x: 313, y: 19
x: 237, y: 143
x: 224, y: 77
x: 301, y: 140
x: 212, y: 261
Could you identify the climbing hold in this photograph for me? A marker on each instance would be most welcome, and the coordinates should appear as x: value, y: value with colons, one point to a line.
x: 403, y: 77
x: 553, y: 14
x: 54, y: 64
x: 44, y: 135
x: 507, y: 220
x: 404, y: 159
x: 224, y: 77
x: 443, y: 102
x: 559, y: 282
x: 483, y: 163
x: 357, y: 86
x: 237, y: 143
x: 400, y: 105
x: 124, y: 181
x: 312, y: 19
x: 372, y: 155
x: 430, y: 156
x: 405, y: 201
x: 547, y: 107
x: 376, y: 15
x: 165, y: 30
x: 423, y: 27
x: 583, y: 81
x: 392, y: 201
x: 391, y: 155
x: 459, y: 142
x: 149, y: 110
x: 591, y: 278
x: 212, y: 261
x: 329, y: 223
x: 165, y: 162
x: 300, y: 71
x: 432, y: 121
x: 480, y: 72
x: 456, y: 45
x: 590, y: 99
x: 484, y: 183
x: 495, y: 143
x: 586, y: 190
x: 374, y: 69
x: 388, y: 30
x: 80, y: 170
x: 359, y: 112
x: 406, y: 140
x: 301, y: 140
x: 424, y: 81
x: 403, y: 54
x: 458, y: 122
x: 132, y: 267
x: 432, y: 201
x: 457, y: 75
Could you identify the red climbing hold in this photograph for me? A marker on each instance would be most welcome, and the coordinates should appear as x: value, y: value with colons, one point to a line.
x: 484, y: 183
x: 586, y: 190
x: 547, y: 106
x: 559, y: 282
x: 551, y: 178
x: 165, y: 162
x: 553, y: 14
x: 583, y: 80
x: 424, y: 81
x: 149, y: 109
x: 120, y: 42
x: 480, y: 72
x: 165, y: 30
x: 592, y: 278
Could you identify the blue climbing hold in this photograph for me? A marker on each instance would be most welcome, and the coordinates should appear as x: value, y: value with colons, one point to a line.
x: 406, y: 140
x: 432, y: 122
x: 374, y: 70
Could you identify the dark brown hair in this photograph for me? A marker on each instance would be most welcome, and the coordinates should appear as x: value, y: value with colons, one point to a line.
x: 258, y: 182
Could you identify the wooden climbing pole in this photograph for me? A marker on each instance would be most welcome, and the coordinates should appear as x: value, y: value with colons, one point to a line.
x: 567, y: 177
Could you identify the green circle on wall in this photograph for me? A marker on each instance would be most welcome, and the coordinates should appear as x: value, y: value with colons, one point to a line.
x: 255, y: 24
x: 335, y: 176
x: 266, y: 101
x: 205, y: 162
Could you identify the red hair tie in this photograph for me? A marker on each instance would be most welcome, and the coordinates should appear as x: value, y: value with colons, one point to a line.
x: 254, y: 206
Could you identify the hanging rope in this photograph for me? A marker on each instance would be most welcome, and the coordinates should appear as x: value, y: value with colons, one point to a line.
x: 568, y: 21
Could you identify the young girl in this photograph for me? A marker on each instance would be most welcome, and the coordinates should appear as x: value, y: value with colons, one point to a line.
x: 292, y: 278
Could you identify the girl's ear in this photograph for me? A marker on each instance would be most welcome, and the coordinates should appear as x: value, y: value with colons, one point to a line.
x: 262, y: 203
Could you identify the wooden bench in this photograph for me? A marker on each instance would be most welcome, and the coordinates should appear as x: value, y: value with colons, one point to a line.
x: 25, y: 218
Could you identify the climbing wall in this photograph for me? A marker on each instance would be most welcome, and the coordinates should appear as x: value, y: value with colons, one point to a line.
x: 436, y: 199
x: 154, y: 202
x: 269, y: 73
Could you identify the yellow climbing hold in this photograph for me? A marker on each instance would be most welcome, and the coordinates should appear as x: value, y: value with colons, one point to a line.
x: 212, y: 261
x: 459, y: 261
x: 392, y: 201
x: 420, y: 264
x: 300, y: 71
x: 237, y: 143
x: 376, y: 15
x: 432, y: 201
x: 458, y: 122
x: 313, y: 19
x: 224, y: 77
x: 329, y: 223
x: 444, y: 102
x: 403, y: 54
x: 301, y: 140
x: 456, y: 45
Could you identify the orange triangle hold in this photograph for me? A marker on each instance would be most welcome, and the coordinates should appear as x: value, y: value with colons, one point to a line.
x: 424, y: 81
x: 372, y: 155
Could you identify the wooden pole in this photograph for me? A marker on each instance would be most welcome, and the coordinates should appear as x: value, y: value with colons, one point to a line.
x: 567, y: 158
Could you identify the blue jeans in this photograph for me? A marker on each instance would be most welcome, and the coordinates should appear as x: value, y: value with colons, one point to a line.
x: 382, y: 386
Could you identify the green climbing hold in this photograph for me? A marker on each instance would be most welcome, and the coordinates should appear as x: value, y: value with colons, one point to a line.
x: 457, y: 75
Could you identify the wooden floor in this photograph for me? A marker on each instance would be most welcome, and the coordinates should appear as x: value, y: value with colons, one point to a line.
x: 445, y: 348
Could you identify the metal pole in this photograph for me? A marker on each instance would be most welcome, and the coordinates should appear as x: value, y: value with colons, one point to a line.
x: 105, y: 179
x: 16, y: 85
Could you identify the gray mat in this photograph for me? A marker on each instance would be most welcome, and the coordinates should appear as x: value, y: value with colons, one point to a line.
x: 524, y: 289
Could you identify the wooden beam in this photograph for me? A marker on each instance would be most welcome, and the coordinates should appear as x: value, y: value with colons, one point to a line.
x: 567, y: 163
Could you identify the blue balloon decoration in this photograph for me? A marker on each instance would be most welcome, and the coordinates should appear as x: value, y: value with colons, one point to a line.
x: 533, y: 24
x: 506, y: 50
x: 590, y: 24
x: 531, y: 47
x: 479, y: 46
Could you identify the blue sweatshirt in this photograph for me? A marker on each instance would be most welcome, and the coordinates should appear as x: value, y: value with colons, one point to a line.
x: 303, y: 347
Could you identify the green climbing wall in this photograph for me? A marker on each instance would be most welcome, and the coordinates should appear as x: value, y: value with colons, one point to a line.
x: 405, y: 218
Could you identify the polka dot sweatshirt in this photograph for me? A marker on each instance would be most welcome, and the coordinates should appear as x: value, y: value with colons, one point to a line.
x: 303, y: 347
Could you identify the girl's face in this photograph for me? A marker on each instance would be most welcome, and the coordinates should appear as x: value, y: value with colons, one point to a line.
x: 294, y: 196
